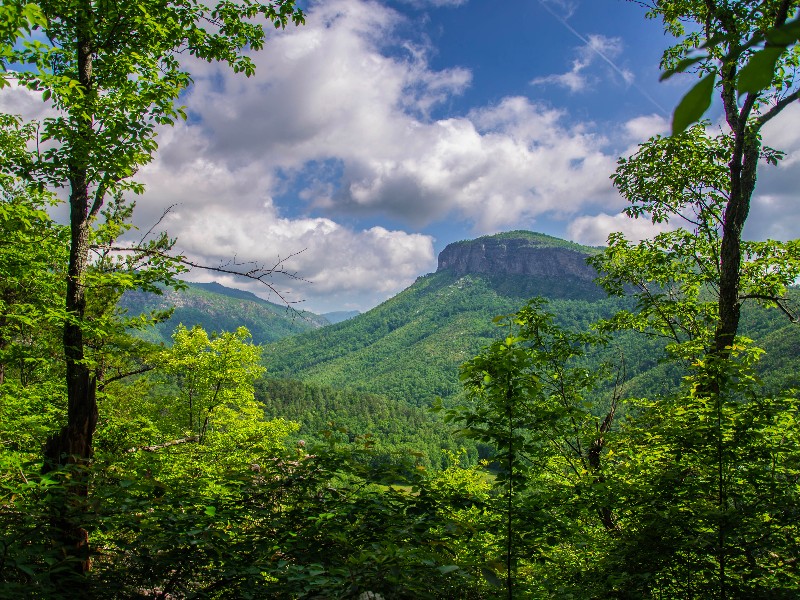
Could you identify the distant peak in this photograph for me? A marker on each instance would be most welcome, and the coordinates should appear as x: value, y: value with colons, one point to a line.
x: 518, y: 253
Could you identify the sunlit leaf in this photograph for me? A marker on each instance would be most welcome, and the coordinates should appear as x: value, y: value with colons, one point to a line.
x: 693, y: 105
x: 759, y: 71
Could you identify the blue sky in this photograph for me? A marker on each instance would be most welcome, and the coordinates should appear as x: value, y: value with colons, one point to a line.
x: 381, y: 131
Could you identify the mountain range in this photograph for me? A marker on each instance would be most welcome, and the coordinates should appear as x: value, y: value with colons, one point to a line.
x: 217, y: 308
x: 406, y: 352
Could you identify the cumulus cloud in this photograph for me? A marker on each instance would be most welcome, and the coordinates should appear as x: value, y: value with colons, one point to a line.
x: 332, y: 92
x: 19, y: 100
x: 340, y: 107
x: 223, y: 215
x: 641, y: 129
x: 775, y: 212
x: 594, y: 230
x: 579, y: 78
x: 340, y: 267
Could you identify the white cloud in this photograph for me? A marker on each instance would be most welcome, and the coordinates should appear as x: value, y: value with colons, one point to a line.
x: 775, y: 210
x: 640, y: 129
x: 594, y: 230
x: 330, y: 91
x: 342, y: 105
x: 783, y: 133
x: 223, y: 213
x: 19, y: 100
x: 597, y: 47
x: 340, y: 266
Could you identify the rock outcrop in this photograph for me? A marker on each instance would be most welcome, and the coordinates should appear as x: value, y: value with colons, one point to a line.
x: 522, y: 254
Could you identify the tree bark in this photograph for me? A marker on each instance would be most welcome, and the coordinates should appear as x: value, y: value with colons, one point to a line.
x: 73, y: 444
x: 743, y: 181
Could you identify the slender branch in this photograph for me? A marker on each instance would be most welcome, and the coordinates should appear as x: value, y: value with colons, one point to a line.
x: 101, y: 386
x: 779, y: 302
x: 257, y: 273
x: 157, y: 223
x: 156, y: 447
x: 779, y: 106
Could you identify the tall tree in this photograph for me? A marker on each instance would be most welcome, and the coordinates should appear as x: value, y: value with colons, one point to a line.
x: 535, y: 401
x: 728, y: 27
x: 113, y: 72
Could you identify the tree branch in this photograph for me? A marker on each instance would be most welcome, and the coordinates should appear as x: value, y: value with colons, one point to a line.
x: 257, y: 273
x: 779, y: 106
x: 156, y: 447
x: 101, y: 386
x: 779, y: 302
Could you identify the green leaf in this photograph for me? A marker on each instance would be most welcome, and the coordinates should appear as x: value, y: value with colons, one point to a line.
x: 211, y: 511
x: 693, y: 105
x: 491, y: 577
x: 681, y: 66
x: 759, y: 71
x: 783, y: 36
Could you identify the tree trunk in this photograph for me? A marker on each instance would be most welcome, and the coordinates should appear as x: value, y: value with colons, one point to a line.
x: 743, y: 180
x: 73, y: 444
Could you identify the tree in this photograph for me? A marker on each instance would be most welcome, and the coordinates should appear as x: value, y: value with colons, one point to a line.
x: 113, y: 72
x: 211, y: 374
x: 694, y: 520
x: 755, y: 76
x: 676, y: 276
x: 727, y: 27
x: 704, y: 481
x: 535, y: 401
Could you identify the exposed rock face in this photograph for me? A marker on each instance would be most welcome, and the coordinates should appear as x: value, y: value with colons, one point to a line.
x: 515, y: 256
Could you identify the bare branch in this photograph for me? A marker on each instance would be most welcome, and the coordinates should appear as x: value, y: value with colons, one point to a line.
x: 256, y: 273
x: 779, y: 106
x: 779, y: 302
x: 156, y: 447
x: 101, y: 385
x: 157, y: 223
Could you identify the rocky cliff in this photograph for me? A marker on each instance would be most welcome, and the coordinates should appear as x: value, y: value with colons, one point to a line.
x: 518, y: 253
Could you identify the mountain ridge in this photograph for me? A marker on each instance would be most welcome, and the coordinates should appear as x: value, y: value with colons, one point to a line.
x: 218, y: 308
x: 410, y: 346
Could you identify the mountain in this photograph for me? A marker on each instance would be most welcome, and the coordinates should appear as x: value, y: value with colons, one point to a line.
x: 410, y: 347
x: 340, y: 315
x: 218, y: 308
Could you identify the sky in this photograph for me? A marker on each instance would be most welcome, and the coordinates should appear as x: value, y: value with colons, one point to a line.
x: 381, y: 131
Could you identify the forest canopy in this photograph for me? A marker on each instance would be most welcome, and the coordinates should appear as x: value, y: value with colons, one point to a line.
x: 130, y: 470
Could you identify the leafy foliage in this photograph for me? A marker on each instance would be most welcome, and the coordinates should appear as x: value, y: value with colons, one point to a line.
x: 398, y: 434
x: 216, y: 308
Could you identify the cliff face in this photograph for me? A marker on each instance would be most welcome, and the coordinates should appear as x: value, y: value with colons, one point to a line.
x: 524, y: 255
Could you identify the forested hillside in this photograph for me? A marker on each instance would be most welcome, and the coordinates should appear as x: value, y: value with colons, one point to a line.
x: 399, y: 434
x: 215, y: 307
x: 410, y: 347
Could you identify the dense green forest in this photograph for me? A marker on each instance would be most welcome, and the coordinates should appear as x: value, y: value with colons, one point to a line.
x: 410, y: 347
x: 399, y: 434
x: 218, y: 308
x: 135, y: 470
